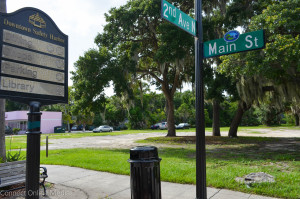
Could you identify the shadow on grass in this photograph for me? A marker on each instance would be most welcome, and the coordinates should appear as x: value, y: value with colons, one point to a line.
x: 241, y: 148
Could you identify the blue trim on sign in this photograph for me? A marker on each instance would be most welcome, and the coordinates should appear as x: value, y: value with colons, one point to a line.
x: 231, y: 36
x: 33, y: 125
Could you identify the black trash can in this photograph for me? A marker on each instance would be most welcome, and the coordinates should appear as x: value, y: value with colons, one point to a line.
x: 145, y: 173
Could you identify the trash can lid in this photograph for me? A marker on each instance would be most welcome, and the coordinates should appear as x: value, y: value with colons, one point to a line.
x: 143, y: 153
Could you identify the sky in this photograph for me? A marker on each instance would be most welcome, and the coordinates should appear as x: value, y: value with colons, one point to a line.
x: 81, y: 20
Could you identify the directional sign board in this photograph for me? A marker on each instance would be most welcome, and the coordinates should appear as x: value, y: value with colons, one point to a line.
x: 178, y: 18
x: 245, y: 42
x: 33, y: 58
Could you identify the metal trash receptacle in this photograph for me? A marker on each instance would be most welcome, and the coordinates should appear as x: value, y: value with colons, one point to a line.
x: 145, y: 173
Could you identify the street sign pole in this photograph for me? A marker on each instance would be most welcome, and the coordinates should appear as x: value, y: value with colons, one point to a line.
x: 201, y: 191
x: 33, y: 151
x: 194, y: 27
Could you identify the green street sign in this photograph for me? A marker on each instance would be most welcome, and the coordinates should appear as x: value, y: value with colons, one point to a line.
x: 177, y: 17
x: 232, y: 43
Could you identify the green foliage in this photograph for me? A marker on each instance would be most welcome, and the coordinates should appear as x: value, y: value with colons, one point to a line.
x: 13, y: 156
x: 185, y: 113
x: 251, y: 118
x: 91, y: 76
x: 279, y: 61
x: 17, y: 156
x: 144, y: 47
x: 270, y: 77
x: 289, y: 119
x: 136, y: 118
x: 157, y: 116
x: 281, y: 22
x: 14, y: 106
x: 98, y: 121
x: 16, y: 130
x: 268, y: 115
x: 115, y: 113
x: 228, y: 109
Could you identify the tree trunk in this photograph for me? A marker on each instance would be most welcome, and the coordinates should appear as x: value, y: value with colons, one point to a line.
x: 237, y: 119
x: 171, y: 118
x: 216, y: 118
x: 297, y: 120
x: 2, y: 130
x: 2, y: 106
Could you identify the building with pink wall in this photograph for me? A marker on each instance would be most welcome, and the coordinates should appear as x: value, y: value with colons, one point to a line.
x: 18, y: 119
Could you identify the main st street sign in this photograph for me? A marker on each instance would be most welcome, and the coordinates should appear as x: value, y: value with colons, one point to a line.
x: 34, y: 58
x: 244, y: 42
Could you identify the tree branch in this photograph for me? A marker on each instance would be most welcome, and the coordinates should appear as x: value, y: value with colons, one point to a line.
x: 150, y: 73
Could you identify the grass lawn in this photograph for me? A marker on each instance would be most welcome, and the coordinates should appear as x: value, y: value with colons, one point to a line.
x: 226, y: 159
x: 17, y: 142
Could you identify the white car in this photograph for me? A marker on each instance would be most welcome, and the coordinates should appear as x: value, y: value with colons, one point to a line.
x: 163, y: 126
x: 103, y: 128
x: 183, y: 126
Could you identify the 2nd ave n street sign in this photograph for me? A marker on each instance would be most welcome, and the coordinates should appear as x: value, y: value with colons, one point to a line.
x: 246, y: 42
x: 178, y: 18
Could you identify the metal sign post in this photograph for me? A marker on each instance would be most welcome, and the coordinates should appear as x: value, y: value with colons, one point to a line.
x: 194, y: 27
x: 201, y: 190
x: 33, y: 151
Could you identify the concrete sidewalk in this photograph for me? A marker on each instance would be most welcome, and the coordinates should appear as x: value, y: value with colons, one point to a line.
x: 72, y: 182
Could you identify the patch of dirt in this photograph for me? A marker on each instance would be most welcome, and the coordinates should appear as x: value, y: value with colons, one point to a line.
x: 8, y: 194
x: 279, y: 137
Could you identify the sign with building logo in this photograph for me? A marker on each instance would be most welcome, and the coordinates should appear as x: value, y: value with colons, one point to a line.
x: 234, y: 42
x: 33, y: 58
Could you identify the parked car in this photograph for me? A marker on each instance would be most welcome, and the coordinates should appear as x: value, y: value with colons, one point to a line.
x: 183, y: 126
x: 163, y: 126
x: 155, y: 126
x: 78, y: 128
x: 121, y: 127
x: 74, y: 128
x: 90, y: 128
x: 8, y: 130
x: 103, y: 128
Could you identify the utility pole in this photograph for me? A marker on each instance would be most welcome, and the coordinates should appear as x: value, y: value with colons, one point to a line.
x: 2, y: 106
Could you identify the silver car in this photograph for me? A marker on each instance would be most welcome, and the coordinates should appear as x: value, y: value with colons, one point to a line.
x: 103, y: 128
x: 163, y: 126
